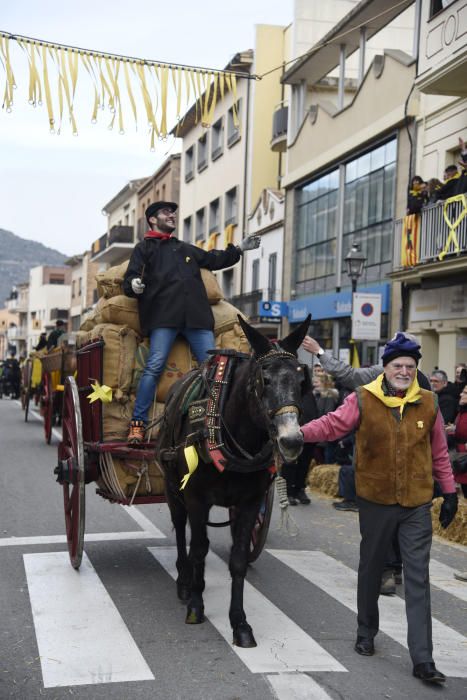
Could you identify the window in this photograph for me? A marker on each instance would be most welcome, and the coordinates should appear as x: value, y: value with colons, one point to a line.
x: 202, y: 152
x: 189, y: 163
x: 227, y: 283
x: 187, y: 229
x: 56, y: 280
x: 217, y: 139
x: 73, y: 289
x: 231, y: 207
x: 80, y: 286
x: 214, y: 216
x: 255, y: 275
x: 272, y: 277
x: 75, y: 323
x: 200, y: 225
x: 233, y: 129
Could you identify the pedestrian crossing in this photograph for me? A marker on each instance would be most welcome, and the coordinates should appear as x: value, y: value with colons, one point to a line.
x: 83, y: 639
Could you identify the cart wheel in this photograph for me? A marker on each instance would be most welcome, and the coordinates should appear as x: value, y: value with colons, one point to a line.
x: 47, y: 405
x: 71, y: 454
x: 261, y: 527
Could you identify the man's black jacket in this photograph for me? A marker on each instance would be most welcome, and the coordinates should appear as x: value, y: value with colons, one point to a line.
x: 175, y: 296
x: 447, y: 404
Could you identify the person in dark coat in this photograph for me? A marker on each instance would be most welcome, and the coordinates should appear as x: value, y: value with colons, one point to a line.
x: 417, y: 197
x: 52, y: 340
x: 450, y: 184
x: 42, y: 342
x: 446, y: 395
x: 164, y: 276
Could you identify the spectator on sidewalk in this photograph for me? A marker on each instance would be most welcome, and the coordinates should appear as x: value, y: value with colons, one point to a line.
x: 446, y: 396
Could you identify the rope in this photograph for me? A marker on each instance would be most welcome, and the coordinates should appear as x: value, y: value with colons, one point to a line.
x: 287, y: 522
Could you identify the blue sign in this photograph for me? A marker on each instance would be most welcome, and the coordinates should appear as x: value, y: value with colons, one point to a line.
x: 336, y: 305
x: 273, y: 309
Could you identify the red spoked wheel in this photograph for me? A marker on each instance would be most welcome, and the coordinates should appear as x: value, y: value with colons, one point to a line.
x: 47, y: 405
x: 261, y: 527
x: 71, y: 472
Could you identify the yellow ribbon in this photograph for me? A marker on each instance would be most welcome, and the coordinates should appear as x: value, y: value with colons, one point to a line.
x: 102, y: 393
x: 453, y: 225
x: 411, y: 396
x: 191, y: 457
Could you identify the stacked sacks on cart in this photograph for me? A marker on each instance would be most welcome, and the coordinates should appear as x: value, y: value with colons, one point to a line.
x: 115, y: 319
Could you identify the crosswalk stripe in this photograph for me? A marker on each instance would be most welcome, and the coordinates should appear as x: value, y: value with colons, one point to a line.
x: 82, y: 638
x: 442, y: 577
x: 282, y: 644
x: 339, y: 581
x: 296, y: 686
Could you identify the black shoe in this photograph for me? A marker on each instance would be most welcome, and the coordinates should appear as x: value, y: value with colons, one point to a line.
x: 365, y: 646
x: 398, y: 577
x: 428, y: 672
x: 345, y: 505
x: 302, y: 497
x: 292, y: 500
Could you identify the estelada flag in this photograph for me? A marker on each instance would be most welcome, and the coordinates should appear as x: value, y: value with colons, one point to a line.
x: 410, y: 244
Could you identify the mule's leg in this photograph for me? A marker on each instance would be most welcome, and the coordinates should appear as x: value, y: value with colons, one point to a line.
x: 238, y: 564
x: 199, y: 546
x: 179, y: 517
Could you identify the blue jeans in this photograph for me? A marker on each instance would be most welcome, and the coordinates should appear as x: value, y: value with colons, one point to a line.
x: 160, y: 344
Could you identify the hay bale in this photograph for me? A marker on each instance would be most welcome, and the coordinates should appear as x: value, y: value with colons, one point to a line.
x: 457, y: 530
x: 325, y: 478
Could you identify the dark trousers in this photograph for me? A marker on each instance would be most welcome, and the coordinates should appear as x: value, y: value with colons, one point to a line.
x: 295, y: 473
x: 347, y: 482
x: 378, y: 525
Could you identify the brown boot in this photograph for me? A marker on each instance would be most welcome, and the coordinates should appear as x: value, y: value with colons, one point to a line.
x: 137, y: 430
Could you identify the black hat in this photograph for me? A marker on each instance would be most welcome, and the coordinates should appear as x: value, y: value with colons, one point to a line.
x: 155, y: 206
x: 400, y: 346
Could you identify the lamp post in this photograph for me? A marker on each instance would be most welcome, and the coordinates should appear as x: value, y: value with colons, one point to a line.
x: 355, y: 262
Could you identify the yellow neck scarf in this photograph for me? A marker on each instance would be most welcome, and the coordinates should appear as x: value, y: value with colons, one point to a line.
x: 412, y: 395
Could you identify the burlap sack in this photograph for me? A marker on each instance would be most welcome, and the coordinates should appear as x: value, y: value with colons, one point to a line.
x: 211, y: 284
x: 178, y: 363
x: 120, y: 310
x: 225, y: 316
x: 151, y: 484
x: 234, y: 339
x: 118, y: 356
x: 109, y: 283
x: 116, y: 419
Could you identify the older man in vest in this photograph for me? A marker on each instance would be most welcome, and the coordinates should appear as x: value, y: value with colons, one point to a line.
x: 400, y: 445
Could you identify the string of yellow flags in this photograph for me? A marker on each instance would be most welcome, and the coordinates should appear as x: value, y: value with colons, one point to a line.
x: 118, y: 82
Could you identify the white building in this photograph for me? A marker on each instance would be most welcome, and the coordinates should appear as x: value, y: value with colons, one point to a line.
x: 49, y: 299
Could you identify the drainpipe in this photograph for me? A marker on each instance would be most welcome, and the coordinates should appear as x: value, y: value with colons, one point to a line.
x: 245, y: 180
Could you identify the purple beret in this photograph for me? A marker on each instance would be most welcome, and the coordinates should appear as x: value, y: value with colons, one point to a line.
x: 400, y: 346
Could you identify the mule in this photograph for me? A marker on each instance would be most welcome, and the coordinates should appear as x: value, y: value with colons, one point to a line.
x: 259, y: 421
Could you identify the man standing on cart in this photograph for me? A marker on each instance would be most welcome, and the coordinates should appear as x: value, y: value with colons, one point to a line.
x: 164, y: 275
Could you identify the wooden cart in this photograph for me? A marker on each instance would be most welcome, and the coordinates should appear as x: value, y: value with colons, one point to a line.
x: 84, y: 457
x: 57, y: 365
x: 30, y: 382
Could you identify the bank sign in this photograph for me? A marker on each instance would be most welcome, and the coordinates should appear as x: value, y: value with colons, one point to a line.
x: 366, y: 316
x: 272, y: 309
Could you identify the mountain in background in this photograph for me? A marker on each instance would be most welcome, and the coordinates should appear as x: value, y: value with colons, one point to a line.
x: 18, y: 256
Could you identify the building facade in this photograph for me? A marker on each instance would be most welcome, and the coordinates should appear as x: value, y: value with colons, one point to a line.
x: 49, y: 300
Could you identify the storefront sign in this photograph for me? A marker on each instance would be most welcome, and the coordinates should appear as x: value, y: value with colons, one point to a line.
x: 272, y: 309
x: 366, y: 316
x: 438, y: 304
x: 334, y: 305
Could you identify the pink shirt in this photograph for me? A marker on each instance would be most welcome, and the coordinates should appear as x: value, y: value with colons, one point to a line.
x: 342, y: 421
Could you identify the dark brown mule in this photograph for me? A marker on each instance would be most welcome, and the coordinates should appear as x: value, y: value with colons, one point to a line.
x: 260, y: 418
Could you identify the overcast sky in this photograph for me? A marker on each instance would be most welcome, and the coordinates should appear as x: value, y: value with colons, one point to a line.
x: 53, y: 188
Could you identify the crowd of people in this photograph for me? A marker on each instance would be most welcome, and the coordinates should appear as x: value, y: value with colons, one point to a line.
x: 422, y: 194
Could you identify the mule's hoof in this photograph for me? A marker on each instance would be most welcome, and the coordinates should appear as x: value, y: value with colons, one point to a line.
x: 183, y: 592
x: 194, y: 616
x: 243, y: 636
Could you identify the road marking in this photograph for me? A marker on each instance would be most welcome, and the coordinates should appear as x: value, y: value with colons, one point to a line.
x: 56, y: 433
x: 144, y: 522
x: 282, y: 644
x: 82, y: 638
x: 340, y: 582
x: 91, y: 537
x: 296, y: 686
x: 442, y: 577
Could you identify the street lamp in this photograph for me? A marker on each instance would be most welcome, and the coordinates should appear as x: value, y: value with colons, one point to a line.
x: 355, y: 262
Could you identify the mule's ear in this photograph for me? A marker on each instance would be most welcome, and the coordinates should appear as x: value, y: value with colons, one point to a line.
x: 293, y: 341
x: 259, y: 343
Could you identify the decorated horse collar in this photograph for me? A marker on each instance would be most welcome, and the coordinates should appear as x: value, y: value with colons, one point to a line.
x: 221, y: 367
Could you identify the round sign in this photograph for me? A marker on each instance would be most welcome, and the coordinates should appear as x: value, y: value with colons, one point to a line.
x: 367, y: 309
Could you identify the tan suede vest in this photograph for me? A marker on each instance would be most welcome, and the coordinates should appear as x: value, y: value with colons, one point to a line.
x: 393, y: 461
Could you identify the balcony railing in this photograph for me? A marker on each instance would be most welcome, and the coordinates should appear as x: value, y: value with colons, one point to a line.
x: 248, y: 303
x: 120, y: 234
x: 279, y: 128
x: 432, y: 238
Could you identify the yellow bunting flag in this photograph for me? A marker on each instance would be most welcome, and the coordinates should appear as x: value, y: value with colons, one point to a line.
x: 102, y: 393
x: 191, y: 457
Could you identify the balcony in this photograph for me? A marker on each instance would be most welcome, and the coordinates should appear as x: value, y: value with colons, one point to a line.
x: 435, y: 250
x: 114, y: 247
x: 17, y: 333
x: 248, y: 303
x: 442, y: 61
x: 279, y: 128
x: 61, y: 314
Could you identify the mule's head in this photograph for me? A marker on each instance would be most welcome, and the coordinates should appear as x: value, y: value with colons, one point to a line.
x: 278, y: 383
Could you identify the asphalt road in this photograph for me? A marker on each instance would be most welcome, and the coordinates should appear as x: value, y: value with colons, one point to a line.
x: 116, y: 630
